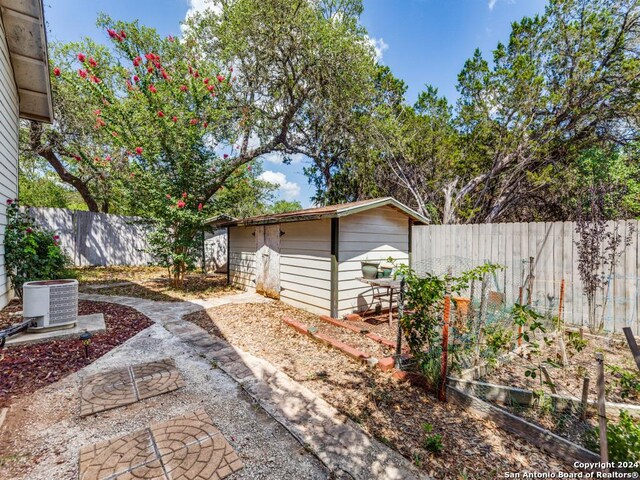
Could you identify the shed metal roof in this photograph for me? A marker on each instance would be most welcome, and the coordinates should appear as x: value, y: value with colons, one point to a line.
x: 23, y: 22
x: 330, y: 211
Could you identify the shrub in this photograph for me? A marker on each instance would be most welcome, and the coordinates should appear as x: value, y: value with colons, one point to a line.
x: 31, y: 251
x: 623, y: 439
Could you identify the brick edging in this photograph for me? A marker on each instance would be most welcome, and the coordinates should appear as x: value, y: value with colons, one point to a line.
x: 370, y: 335
x: 383, y: 364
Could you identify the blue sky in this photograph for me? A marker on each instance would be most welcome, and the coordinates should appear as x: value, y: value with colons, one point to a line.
x: 422, y: 41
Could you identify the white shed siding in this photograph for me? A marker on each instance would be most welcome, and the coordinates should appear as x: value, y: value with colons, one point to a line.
x: 242, y: 257
x: 375, y: 234
x: 305, y: 265
x: 9, y: 125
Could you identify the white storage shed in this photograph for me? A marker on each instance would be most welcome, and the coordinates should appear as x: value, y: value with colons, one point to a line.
x: 311, y: 258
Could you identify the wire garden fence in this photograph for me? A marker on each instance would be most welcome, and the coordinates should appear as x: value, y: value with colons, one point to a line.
x: 550, y: 378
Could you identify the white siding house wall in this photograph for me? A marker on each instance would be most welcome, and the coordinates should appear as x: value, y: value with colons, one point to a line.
x: 375, y: 234
x: 242, y: 257
x: 9, y: 125
x: 305, y: 265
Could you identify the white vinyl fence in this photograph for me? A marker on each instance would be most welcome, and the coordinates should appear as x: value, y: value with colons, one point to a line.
x: 437, y: 248
x: 97, y: 239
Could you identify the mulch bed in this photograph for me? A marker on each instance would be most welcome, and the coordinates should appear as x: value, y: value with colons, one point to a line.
x: 26, y: 368
x: 152, y: 283
x: 396, y: 413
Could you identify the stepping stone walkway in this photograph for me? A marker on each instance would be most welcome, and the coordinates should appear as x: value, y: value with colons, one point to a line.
x: 123, y: 386
x: 342, y: 446
x: 187, y: 448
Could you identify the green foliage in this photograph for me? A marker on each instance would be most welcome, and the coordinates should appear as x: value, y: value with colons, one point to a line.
x: 576, y: 342
x: 627, y: 380
x: 31, y: 251
x: 498, y: 338
x: 423, y: 314
x: 623, y: 438
x: 526, y: 317
x: 284, y: 206
x: 515, y: 144
x: 432, y: 441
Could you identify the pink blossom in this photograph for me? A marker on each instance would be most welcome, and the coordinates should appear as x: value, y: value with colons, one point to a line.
x: 93, y: 62
x: 95, y: 79
x: 160, y: 113
x: 136, y: 61
x: 210, y: 88
x: 168, y: 196
x: 152, y: 89
x: 165, y: 75
x: 184, y: 88
x: 200, y: 207
x: 112, y: 33
x: 181, y: 204
x: 9, y: 201
x: 225, y: 156
x: 175, y: 119
x: 56, y: 72
x: 82, y: 73
x: 220, y: 78
x: 29, y: 230
x: 170, y: 38
x: 193, y: 121
x: 184, y: 194
x: 81, y: 57
x: 139, y: 150
x: 136, y: 78
x: 149, y: 69
x: 206, y: 80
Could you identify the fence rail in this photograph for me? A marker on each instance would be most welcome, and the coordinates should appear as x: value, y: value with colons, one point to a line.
x: 437, y: 248
x: 97, y: 239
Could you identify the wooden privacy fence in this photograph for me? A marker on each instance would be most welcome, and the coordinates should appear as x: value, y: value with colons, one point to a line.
x: 437, y: 248
x: 97, y: 239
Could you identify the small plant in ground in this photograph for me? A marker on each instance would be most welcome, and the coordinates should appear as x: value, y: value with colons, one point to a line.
x: 627, y: 380
x: 623, y: 438
x: 576, y: 342
x: 498, y: 338
x: 32, y: 252
x: 432, y: 441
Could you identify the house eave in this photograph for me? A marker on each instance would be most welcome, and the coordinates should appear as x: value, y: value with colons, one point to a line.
x: 26, y: 36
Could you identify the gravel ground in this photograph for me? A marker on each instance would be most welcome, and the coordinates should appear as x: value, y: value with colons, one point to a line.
x: 42, y: 434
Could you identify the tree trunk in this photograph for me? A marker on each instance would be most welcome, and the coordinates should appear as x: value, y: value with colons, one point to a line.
x: 46, y: 152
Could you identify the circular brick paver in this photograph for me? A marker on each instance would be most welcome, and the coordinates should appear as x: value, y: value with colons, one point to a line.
x: 124, y: 386
x: 185, y: 448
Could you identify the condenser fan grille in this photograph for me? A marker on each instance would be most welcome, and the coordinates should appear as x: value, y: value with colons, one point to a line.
x: 63, y: 303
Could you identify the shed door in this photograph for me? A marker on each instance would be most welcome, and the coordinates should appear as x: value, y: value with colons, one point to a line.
x: 268, y: 260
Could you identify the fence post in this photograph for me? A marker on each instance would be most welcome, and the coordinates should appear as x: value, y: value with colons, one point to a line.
x: 585, y: 398
x: 400, y: 317
x: 442, y: 393
x: 520, y: 326
x: 530, y: 282
x: 602, y: 418
x: 632, y: 345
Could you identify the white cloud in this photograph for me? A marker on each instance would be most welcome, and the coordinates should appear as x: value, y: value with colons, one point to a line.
x: 196, y: 6
x: 379, y: 45
x: 278, y: 158
x: 289, y: 190
x: 491, y: 4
